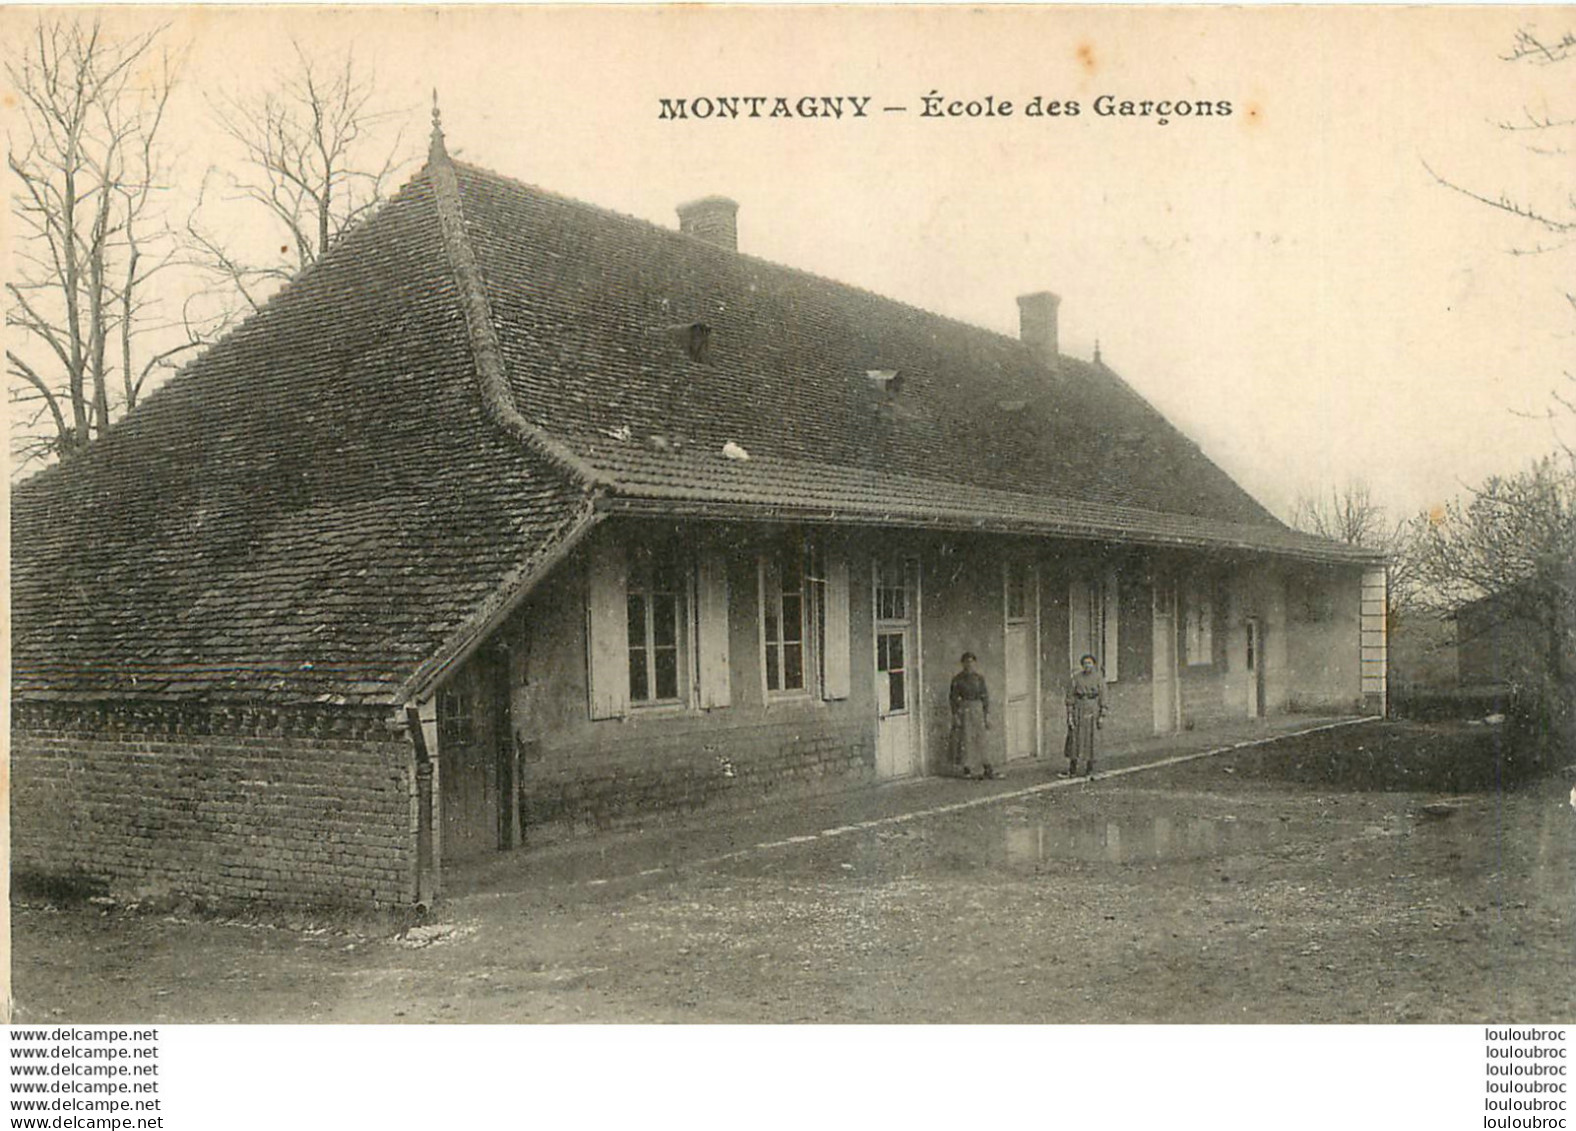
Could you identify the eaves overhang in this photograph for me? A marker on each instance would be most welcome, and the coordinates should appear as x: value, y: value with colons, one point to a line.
x: 1122, y: 526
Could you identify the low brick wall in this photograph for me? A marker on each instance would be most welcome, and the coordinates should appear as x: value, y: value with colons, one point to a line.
x: 303, y: 807
x: 588, y: 788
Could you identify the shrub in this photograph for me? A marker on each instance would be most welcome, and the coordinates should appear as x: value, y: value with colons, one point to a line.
x: 1541, y: 722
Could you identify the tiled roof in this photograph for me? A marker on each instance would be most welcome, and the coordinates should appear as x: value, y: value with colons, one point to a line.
x: 308, y: 511
x: 707, y: 484
x: 592, y: 307
x: 331, y: 502
x: 588, y: 302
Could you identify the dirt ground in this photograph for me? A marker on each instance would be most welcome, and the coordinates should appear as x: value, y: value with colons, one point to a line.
x: 1337, y: 877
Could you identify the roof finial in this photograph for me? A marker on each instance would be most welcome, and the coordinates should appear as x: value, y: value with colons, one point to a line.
x: 436, y: 151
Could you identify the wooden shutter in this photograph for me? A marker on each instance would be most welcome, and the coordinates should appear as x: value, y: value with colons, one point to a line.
x: 711, y: 628
x: 1080, y: 628
x: 835, y: 682
x: 607, y: 630
x: 1113, y: 607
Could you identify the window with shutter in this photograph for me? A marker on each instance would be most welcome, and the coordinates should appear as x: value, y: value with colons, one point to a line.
x: 786, y: 598
x: 657, y: 629
x: 711, y: 629
x: 655, y: 604
x: 835, y: 663
x: 607, y: 630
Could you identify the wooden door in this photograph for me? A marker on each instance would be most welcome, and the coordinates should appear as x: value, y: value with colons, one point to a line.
x: 1021, y: 706
x: 470, y: 738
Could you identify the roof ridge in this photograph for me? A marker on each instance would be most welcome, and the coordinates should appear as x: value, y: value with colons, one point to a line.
x: 803, y: 272
x: 492, y: 378
x: 1120, y: 384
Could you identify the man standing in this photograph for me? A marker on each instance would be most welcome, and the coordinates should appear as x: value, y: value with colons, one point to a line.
x: 970, y: 701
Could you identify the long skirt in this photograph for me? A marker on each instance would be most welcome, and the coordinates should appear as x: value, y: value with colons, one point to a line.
x: 1081, y: 750
x: 968, y: 736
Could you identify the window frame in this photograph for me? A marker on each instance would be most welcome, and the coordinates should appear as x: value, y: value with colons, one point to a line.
x: 642, y: 574
x: 456, y: 717
x: 771, y: 597
x: 888, y: 618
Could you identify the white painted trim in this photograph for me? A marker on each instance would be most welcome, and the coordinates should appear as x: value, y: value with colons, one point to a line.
x: 690, y: 640
x: 1253, y: 634
x: 1110, y: 625
x: 760, y: 627
x: 1039, y: 672
x: 836, y: 659
x: 1165, y: 584
x: 810, y: 604
x: 914, y: 649
x: 1031, y: 621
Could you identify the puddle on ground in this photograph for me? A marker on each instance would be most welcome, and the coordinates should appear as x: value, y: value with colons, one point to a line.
x: 1102, y: 840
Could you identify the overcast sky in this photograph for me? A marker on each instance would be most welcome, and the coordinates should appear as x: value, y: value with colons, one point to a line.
x: 1289, y: 283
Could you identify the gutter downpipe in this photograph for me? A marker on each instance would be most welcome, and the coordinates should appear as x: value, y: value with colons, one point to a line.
x: 426, y: 875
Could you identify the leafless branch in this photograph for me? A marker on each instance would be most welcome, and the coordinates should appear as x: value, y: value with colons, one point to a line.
x: 1505, y: 204
x: 21, y: 369
x: 86, y: 155
x: 316, y: 159
x: 1530, y: 47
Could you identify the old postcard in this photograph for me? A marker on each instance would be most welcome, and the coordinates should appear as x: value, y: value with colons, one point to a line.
x: 791, y: 515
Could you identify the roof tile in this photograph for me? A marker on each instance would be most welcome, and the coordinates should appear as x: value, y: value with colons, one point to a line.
x: 319, y: 506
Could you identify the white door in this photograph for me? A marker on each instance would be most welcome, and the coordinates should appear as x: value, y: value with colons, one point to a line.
x: 1255, y: 664
x: 1166, y: 691
x: 1022, y: 690
x: 897, y: 685
x: 895, y: 715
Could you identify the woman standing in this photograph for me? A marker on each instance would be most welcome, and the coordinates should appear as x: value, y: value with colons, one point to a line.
x: 1086, y: 707
x: 970, y: 702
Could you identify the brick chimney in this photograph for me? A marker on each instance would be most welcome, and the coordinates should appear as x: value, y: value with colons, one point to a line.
x: 713, y: 219
x: 1037, y: 325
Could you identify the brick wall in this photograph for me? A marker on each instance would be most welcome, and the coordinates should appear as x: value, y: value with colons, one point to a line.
x: 287, y: 806
x: 604, y: 786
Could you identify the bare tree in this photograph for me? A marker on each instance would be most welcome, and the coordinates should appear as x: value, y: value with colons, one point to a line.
x: 1513, y: 539
x: 86, y: 155
x: 1347, y: 514
x: 1513, y: 542
x: 1546, y: 135
x: 318, y: 153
